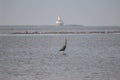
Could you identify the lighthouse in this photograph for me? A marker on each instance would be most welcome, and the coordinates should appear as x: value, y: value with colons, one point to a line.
x: 59, y: 21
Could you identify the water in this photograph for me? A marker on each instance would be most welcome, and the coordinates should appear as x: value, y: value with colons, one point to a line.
x: 51, y: 28
x: 37, y: 56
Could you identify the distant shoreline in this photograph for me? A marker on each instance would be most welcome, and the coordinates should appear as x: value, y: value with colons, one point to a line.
x: 66, y: 25
x: 81, y: 32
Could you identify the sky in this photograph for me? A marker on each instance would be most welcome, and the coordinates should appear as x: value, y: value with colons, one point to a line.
x: 45, y: 12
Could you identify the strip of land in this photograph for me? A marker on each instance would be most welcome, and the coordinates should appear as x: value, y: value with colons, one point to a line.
x: 81, y: 32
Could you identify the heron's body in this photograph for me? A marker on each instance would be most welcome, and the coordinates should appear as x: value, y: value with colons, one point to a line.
x: 64, y: 47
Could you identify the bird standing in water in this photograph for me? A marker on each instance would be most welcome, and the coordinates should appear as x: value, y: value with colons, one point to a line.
x: 64, y: 47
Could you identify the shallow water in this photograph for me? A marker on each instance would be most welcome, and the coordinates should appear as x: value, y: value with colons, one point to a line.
x: 29, y: 28
x: 37, y: 57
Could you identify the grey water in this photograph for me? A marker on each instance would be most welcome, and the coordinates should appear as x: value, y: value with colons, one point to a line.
x: 6, y: 29
x: 37, y: 57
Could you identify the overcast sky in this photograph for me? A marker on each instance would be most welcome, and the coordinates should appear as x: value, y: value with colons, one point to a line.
x: 45, y: 12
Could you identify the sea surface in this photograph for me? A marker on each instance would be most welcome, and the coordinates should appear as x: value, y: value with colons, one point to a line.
x: 8, y: 29
x: 37, y: 56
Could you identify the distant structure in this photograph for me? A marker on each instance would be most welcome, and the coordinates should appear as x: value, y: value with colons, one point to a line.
x: 59, y: 21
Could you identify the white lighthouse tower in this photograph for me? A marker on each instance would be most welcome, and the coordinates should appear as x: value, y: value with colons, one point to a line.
x: 59, y: 21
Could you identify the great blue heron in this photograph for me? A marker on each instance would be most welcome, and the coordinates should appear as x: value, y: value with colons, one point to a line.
x: 64, y: 47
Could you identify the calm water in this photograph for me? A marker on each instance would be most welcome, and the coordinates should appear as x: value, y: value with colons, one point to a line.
x: 37, y: 57
x: 47, y: 28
